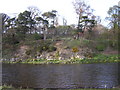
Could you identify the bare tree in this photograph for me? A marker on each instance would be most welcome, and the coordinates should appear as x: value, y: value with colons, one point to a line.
x: 86, y: 19
x: 35, y: 12
x: 5, y: 17
x: 113, y: 13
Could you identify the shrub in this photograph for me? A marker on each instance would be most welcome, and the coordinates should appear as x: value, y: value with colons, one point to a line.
x: 52, y: 48
x: 10, y: 40
x: 57, y: 54
x: 45, y: 46
x: 66, y: 47
x: 36, y: 36
x: 100, y: 47
x: 73, y: 43
x: 28, y: 52
x: 113, y: 44
x: 85, y: 43
x: 75, y: 49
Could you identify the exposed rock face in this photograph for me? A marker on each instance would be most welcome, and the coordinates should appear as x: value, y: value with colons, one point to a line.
x: 21, y: 53
x: 62, y: 53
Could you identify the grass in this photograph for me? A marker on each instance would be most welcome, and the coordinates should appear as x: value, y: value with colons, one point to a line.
x: 76, y: 43
x: 96, y: 59
x: 5, y: 87
x: 9, y: 87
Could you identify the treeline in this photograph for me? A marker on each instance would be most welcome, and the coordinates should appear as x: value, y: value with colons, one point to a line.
x: 45, y: 25
x: 40, y: 30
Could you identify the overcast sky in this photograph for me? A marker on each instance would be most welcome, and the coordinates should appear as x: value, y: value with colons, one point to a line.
x: 64, y: 7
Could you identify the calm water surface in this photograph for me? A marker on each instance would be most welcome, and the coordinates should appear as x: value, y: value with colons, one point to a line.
x: 61, y: 76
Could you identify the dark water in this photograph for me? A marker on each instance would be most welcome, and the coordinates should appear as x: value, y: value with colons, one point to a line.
x: 61, y: 76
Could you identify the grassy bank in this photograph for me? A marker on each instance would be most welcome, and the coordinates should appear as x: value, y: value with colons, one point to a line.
x: 12, y: 88
x: 9, y: 87
x: 96, y: 59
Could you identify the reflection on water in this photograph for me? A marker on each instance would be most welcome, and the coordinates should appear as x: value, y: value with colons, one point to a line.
x: 61, y: 76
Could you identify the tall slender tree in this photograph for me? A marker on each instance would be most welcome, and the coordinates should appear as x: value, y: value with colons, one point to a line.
x: 113, y: 18
x: 5, y: 17
x: 85, y: 16
x: 113, y: 13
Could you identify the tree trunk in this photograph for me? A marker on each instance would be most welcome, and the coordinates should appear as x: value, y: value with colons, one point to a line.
x: 45, y: 33
x: 1, y: 27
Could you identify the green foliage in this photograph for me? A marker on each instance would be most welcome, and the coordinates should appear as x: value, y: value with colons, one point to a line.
x: 37, y: 36
x: 113, y: 16
x: 25, y: 19
x: 10, y: 39
x: 108, y: 39
x: 8, y: 51
x: 100, y: 58
x: 84, y: 21
x: 78, y: 43
x: 113, y: 44
x: 57, y: 54
x: 50, y: 15
x: 73, y: 43
x: 20, y: 31
x: 40, y: 46
x: 28, y: 52
x: 5, y: 87
x: 100, y: 47
x: 39, y: 18
x: 10, y: 87
x: 85, y: 43
x: 46, y: 47
x: 52, y: 48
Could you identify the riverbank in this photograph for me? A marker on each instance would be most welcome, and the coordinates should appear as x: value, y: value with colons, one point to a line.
x: 96, y: 59
x: 5, y: 87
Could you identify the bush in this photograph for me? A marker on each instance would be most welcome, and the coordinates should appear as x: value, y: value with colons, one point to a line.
x: 100, y: 47
x: 37, y: 36
x: 85, y: 43
x: 45, y: 46
x: 113, y: 44
x: 73, y: 43
x: 75, y: 49
x: 28, y: 52
x: 52, y: 48
x: 10, y: 40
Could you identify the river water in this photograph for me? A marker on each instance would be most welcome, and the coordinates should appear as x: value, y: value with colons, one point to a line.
x: 61, y: 76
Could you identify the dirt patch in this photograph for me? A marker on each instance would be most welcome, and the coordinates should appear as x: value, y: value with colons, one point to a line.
x: 110, y: 51
x: 21, y: 51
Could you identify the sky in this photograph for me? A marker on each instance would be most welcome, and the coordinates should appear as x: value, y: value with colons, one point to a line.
x: 65, y: 8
